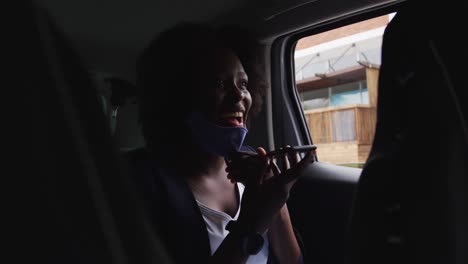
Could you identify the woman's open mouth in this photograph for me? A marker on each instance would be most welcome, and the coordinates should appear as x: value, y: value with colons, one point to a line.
x: 232, y: 119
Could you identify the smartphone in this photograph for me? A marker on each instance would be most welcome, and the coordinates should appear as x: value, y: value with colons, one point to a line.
x: 246, y: 159
x: 300, y: 149
x: 276, y: 152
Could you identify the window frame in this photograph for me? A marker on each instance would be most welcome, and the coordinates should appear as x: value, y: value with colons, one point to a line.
x: 290, y: 125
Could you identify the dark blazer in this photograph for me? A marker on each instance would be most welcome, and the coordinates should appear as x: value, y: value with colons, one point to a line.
x: 174, y: 211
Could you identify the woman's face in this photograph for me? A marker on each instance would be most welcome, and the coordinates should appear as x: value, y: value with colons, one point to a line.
x: 225, y: 99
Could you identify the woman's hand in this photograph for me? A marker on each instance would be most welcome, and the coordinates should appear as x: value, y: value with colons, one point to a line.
x: 267, y: 187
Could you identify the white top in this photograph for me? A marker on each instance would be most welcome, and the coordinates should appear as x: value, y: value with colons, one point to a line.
x: 216, y: 222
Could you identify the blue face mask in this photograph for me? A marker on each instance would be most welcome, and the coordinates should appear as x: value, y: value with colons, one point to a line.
x: 215, y: 139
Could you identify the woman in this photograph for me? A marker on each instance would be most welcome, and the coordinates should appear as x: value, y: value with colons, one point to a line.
x: 198, y: 89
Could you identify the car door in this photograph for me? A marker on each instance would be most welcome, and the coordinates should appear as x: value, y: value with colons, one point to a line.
x: 321, y: 201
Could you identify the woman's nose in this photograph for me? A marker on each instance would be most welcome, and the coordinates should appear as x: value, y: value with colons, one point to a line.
x: 235, y: 91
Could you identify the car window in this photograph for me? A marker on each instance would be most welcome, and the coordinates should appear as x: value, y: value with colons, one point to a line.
x: 336, y: 75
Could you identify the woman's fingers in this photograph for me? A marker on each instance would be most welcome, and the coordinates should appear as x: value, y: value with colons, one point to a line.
x: 263, y: 169
x: 261, y: 151
x: 294, y: 172
x: 286, y: 162
x: 294, y: 158
x: 275, y: 169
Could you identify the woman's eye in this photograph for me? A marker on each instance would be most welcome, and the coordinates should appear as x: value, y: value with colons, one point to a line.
x: 243, y: 83
x: 220, y: 84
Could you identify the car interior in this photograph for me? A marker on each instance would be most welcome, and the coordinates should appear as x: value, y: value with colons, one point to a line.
x: 407, y: 203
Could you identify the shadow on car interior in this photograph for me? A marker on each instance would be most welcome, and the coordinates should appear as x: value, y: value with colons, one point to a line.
x: 81, y: 206
x: 409, y: 204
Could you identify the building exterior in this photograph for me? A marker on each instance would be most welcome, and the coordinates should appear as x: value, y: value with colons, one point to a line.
x: 336, y: 76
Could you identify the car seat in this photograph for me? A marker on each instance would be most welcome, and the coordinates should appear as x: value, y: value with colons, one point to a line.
x: 410, y: 205
x: 79, y: 206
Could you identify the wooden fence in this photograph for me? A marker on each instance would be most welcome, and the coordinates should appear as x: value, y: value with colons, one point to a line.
x: 342, y: 124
